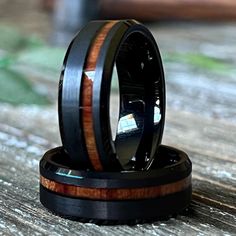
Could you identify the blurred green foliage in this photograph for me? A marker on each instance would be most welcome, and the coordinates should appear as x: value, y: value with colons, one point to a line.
x: 12, y: 40
x: 46, y: 58
x: 200, y: 61
x: 19, y: 49
x: 15, y: 89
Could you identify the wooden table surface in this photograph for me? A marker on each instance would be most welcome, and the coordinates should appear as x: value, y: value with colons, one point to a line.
x: 201, y: 120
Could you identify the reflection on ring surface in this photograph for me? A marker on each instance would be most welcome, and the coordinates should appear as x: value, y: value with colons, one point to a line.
x: 135, y: 101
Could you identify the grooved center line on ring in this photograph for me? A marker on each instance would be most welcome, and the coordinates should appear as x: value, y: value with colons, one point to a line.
x: 87, y: 96
x: 116, y: 193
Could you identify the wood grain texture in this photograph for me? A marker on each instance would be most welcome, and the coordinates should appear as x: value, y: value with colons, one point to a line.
x: 200, y: 119
x: 116, y: 194
x: 87, y: 97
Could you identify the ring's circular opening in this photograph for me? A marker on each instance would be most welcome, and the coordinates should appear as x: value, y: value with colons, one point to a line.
x: 135, y: 100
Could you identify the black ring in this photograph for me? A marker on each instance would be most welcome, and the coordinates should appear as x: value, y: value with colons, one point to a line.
x: 123, y: 41
x: 165, y: 188
x: 69, y: 93
x: 171, y: 166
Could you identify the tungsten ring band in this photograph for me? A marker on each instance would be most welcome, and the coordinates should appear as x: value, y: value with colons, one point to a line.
x: 126, y: 196
x: 112, y: 97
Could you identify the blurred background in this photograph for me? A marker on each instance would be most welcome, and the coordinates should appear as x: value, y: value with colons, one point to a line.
x: 197, y: 40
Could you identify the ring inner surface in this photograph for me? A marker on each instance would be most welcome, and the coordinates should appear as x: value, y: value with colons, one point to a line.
x: 55, y: 161
x: 135, y: 111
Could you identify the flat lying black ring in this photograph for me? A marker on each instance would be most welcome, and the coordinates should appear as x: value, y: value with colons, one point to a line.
x: 171, y: 166
x: 115, y: 212
x: 163, y: 190
x: 86, y: 133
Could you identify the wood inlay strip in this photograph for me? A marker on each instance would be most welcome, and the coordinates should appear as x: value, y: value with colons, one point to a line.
x: 116, y: 194
x: 87, y: 96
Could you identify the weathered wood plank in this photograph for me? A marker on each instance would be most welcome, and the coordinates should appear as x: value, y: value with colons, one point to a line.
x: 21, y: 211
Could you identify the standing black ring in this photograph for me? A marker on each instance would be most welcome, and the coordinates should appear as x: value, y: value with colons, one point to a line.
x: 129, y: 50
